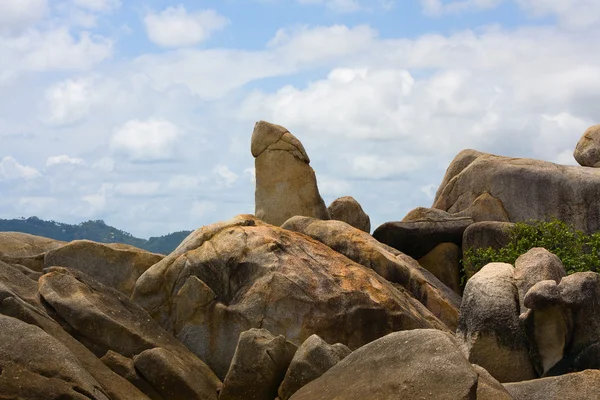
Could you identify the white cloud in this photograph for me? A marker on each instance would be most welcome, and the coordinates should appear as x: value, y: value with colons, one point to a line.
x: 17, y: 15
x: 334, y: 187
x: 429, y: 190
x: 224, y: 175
x: 141, y: 188
x: 104, y: 164
x: 150, y: 140
x: 378, y: 167
x: 54, y: 49
x: 175, y: 27
x: 98, y: 5
x: 573, y: 14
x: 438, y: 7
x: 344, y: 6
x: 10, y: 169
x: 70, y: 101
x: 185, y: 182
x: 200, y: 209
x: 64, y: 159
x: 251, y: 174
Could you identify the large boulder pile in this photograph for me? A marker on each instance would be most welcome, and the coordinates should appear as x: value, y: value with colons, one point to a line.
x: 240, y: 274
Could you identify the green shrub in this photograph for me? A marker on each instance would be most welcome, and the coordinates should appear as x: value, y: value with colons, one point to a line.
x: 577, y: 250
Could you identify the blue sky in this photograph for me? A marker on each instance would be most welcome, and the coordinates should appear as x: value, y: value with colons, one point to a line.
x: 141, y: 112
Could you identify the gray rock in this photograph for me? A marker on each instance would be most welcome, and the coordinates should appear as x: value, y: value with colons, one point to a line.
x: 489, y: 326
x: 568, y: 193
x: 258, y: 366
x: 416, y: 238
x: 264, y: 276
x: 444, y: 262
x: 312, y: 359
x: 28, y: 362
x: 286, y: 185
x: 482, y: 235
x: 416, y: 364
x: 575, y: 386
x: 538, y: 264
x: 458, y: 164
x: 587, y: 152
x: 347, y: 209
x: 115, y: 265
x: 104, y: 319
x: 125, y: 368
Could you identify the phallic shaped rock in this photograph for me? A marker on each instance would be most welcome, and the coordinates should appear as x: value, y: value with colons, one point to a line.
x: 574, y: 386
x: 568, y: 193
x: 312, y: 359
x: 286, y: 185
x: 387, y: 262
x: 347, y: 209
x: 115, y: 266
x: 416, y: 238
x: 587, y: 152
x: 241, y: 274
x: 29, y: 367
x: 104, y: 319
x: 489, y: 326
x: 419, y: 364
x: 258, y: 366
x: 538, y: 264
x: 444, y: 262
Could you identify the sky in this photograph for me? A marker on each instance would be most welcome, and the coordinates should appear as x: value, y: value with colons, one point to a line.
x: 140, y: 113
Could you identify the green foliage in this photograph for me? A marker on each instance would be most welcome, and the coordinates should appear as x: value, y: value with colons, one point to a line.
x: 577, y: 250
x: 96, y: 230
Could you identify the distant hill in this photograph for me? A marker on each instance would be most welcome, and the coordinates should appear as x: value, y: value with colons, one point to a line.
x: 97, y: 231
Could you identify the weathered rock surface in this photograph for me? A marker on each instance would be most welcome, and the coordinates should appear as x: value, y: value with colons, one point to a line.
x: 528, y: 189
x: 232, y: 276
x: 312, y: 359
x: 416, y: 238
x: 485, y: 208
x: 258, y: 366
x: 17, y: 244
x: 444, y: 262
x: 286, y: 185
x: 538, y: 264
x: 125, y: 367
x: 114, y: 265
x: 489, y: 326
x: 458, y: 164
x: 587, y: 152
x: 575, y: 386
x: 387, y: 262
x: 104, y: 319
x: 29, y: 367
x: 420, y: 364
x: 347, y: 209
x: 488, y: 387
x: 565, y: 321
x: 482, y: 235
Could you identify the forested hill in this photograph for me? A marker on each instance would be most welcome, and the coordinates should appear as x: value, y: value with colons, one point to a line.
x: 97, y: 231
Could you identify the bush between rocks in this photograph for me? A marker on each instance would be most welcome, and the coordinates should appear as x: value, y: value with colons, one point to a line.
x: 578, y: 251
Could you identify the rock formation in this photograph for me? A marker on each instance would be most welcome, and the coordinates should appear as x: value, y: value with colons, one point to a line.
x: 347, y: 209
x: 286, y: 185
x: 587, y: 152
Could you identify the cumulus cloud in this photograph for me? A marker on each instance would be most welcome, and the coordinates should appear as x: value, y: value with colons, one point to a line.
x: 10, y: 169
x: 439, y: 7
x: 17, y: 15
x: 150, y: 140
x: 572, y: 14
x: 176, y: 27
x: 98, y: 5
x: 201, y: 209
x: 224, y: 175
x: 343, y: 6
x: 64, y: 159
x: 140, y: 188
x: 70, y: 101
